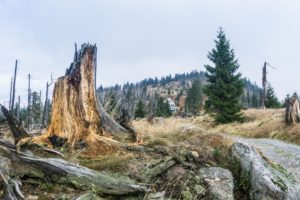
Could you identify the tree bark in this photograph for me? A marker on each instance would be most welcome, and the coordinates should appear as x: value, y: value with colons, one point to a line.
x: 64, y: 172
x: 76, y: 111
x: 292, y: 111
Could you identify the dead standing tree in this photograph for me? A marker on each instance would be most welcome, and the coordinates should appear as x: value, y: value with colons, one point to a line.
x: 14, y: 86
x: 292, y: 111
x: 46, y: 111
x: 264, y: 84
x: 77, y: 115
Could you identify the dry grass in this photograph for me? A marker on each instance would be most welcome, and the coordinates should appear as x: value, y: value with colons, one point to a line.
x: 163, y: 131
x: 117, y: 162
x: 208, y: 139
x: 268, y: 123
x: 178, y: 133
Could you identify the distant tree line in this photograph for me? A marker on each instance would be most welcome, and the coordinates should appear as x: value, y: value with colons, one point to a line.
x: 36, y: 109
x: 220, y: 90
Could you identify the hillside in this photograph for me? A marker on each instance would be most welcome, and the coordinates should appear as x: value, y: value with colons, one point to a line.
x: 125, y: 97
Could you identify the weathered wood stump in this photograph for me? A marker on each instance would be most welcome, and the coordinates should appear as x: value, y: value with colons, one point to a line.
x: 292, y: 111
x: 77, y: 115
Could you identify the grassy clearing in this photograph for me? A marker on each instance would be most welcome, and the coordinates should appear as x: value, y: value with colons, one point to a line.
x: 177, y: 133
x: 268, y: 123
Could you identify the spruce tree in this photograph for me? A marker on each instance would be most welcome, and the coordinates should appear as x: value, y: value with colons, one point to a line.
x: 36, y: 108
x: 110, y: 102
x: 255, y: 101
x: 225, y: 84
x: 162, y: 109
x: 271, y: 99
x: 140, y: 110
x: 194, y: 98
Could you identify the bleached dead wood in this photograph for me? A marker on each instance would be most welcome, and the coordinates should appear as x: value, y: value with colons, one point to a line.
x: 64, y: 172
x: 292, y: 111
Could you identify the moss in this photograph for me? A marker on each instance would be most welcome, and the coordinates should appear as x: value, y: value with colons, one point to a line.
x: 242, y: 179
x: 280, y: 183
x: 283, y: 171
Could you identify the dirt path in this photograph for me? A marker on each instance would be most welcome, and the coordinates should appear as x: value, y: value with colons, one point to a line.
x: 282, y: 153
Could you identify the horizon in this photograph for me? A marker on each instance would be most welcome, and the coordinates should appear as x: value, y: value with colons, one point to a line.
x: 146, y: 39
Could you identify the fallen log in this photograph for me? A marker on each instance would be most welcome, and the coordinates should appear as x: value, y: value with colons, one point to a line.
x: 149, y: 173
x: 64, y: 172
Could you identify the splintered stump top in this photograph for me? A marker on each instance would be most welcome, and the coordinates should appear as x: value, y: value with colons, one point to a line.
x: 76, y: 111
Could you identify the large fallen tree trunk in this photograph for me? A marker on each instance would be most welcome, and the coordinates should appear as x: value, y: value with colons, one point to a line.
x: 64, y: 172
x: 77, y: 114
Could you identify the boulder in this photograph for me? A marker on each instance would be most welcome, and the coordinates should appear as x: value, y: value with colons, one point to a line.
x: 266, y: 180
x: 219, y: 181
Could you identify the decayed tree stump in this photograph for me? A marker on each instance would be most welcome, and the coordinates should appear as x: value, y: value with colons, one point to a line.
x: 292, y: 111
x: 77, y: 115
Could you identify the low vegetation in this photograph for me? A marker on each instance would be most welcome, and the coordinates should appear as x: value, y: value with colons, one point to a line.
x: 268, y: 123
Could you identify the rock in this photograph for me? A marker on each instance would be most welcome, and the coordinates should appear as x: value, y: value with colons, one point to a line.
x: 32, y: 197
x: 219, y: 181
x: 156, y: 196
x: 266, y: 180
x: 194, y: 154
x: 88, y: 196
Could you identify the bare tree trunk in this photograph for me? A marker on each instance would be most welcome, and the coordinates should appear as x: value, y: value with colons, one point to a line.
x: 264, y: 85
x: 45, y: 112
x: 14, y: 87
x: 10, y: 94
x: 18, y: 108
x: 29, y: 102
x: 76, y: 111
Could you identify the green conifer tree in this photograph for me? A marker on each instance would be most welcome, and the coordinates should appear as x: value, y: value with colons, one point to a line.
x: 225, y: 84
x: 36, y: 108
x: 162, y: 109
x: 271, y: 99
x: 194, y: 98
x: 140, y: 110
x: 255, y: 101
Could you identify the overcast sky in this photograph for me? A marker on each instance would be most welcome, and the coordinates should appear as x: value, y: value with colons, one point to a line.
x: 138, y: 39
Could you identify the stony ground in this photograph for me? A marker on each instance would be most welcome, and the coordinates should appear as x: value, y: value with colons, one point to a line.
x: 279, y: 152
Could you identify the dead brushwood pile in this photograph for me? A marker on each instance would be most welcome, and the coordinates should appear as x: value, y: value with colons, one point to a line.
x: 84, y: 153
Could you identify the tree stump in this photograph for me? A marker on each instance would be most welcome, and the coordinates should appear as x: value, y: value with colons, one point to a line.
x: 77, y: 115
x: 292, y: 111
